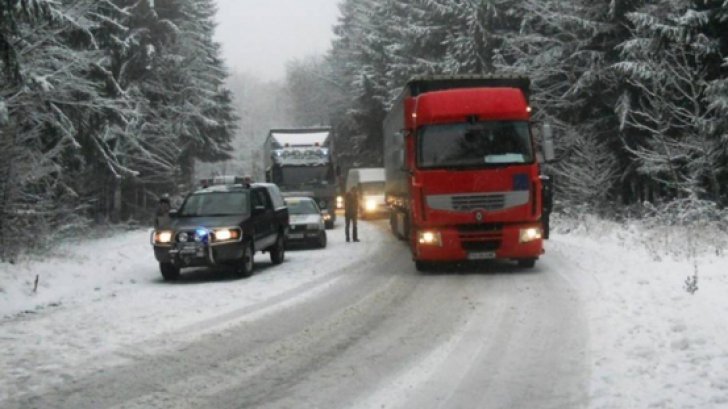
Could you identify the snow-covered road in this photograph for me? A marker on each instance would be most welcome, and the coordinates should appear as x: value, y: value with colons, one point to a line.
x: 355, y: 326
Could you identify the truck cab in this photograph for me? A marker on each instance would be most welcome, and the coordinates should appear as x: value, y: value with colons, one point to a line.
x: 462, y: 175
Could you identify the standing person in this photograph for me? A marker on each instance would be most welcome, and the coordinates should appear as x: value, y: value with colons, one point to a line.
x: 351, y: 210
x: 162, y: 220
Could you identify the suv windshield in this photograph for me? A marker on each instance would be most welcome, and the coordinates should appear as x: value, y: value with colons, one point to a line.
x: 216, y: 204
x: 302, y: 206
x: 481, y: 144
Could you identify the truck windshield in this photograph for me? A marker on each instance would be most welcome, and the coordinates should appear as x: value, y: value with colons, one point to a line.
x: 216, y: 204
x: 294, y: 177
x: 372, y: 188
x: 468, y: 145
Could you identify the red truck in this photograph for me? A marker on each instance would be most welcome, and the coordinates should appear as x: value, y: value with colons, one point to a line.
x: 462, y: 175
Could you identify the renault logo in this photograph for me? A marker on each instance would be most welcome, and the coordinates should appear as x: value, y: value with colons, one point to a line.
x: 479, y: 216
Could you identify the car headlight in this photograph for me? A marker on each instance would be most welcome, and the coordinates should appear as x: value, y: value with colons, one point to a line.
x: 370, y: 204
x: 530, y: 234
x: 326, y: 216
x: 162, y: 237
x: 430, y: 238
x: 226, y: 235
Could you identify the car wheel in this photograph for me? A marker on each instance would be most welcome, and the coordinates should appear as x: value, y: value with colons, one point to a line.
x: 246, y: 264
x: 322, y: 240
x: 278, y: 251
x: 527, y: 263
x: 169, y: 271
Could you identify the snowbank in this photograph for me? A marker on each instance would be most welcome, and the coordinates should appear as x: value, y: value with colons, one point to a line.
x: 654, y: 344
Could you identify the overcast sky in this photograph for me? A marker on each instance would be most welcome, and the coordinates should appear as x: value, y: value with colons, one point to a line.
x: 260, y: 36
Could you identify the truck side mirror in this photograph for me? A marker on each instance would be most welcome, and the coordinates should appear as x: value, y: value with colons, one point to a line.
x: 547, y: 143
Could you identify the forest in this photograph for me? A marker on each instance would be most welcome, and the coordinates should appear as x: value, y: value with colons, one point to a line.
x: 107, y: 104
x: 637, y: 90
x: 104, y: 106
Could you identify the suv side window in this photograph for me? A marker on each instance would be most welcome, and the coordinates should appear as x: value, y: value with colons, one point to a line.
x: 260, y: 198
x: 276, y: 196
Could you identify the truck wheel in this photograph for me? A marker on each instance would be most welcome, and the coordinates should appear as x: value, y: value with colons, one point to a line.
x: 527, y: 263
x: 246, y: 264
x: 322, y: 240
x: 169, y: 271
x: 278, y: 251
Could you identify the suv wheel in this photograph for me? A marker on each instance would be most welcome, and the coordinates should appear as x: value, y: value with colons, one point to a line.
x: 278, y: 251
x: 169, y: 271
x: 246, y: 266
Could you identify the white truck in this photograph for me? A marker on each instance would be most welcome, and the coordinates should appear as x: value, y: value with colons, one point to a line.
x: 370, y: 188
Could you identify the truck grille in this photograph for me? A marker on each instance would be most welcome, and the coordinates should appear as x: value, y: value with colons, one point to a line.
x: 485, y: 202
x: 490, y: 202
x: 486, y: 237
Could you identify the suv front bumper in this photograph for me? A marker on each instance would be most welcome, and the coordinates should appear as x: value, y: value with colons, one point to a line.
x: 200, y: 254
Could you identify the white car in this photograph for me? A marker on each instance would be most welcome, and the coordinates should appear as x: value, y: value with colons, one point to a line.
x: 307, y: 223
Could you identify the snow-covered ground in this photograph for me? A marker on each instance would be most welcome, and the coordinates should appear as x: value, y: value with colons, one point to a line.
x: 652, y: 343
x: 96, y: 297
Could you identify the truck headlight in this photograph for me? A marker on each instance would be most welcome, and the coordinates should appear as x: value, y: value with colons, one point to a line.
x: 370, y: 204
x: 226, y: 234
x: 430, y: 238
x: 339, y: 202
x: 530, y: 234
x: 162, y: 237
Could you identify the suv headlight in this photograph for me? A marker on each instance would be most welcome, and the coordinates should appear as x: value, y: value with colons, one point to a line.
x: 430, y: 238
x: 225, y: 235
x: 530, y: 234
x: 162, y: 237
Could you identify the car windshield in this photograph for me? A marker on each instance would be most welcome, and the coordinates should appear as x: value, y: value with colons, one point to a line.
x: 216, y: 204
x: 302, y: 206
x: 372, y: 188
x: 466, y: 145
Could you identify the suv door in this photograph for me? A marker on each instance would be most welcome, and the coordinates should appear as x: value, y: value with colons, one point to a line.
x: 263, y: 219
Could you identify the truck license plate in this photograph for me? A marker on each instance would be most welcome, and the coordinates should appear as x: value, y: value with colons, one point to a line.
x: 482, y: 255
x: 295, y: 236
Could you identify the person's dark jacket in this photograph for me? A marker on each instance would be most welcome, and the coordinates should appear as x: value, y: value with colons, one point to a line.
x: 351, y: 204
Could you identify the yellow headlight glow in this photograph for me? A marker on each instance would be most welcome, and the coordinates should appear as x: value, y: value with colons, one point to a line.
x: 430, y: 238
x: 163, y: 237
x: 223, y: 235
x: 226, y: 235
x: 370, y: 205
x: 530, y: 234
